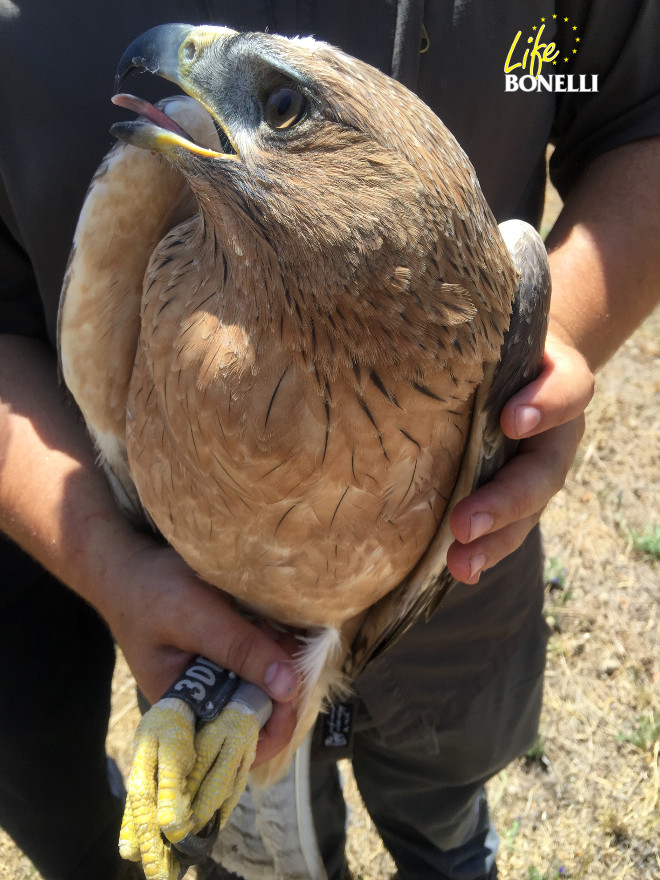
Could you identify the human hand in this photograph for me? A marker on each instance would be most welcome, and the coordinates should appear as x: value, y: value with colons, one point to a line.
x: 163, y: 615
x: 160, y: 612
x: 547, y: 416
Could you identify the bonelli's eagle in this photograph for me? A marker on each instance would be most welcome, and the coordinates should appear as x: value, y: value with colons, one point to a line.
x: 290, y: 322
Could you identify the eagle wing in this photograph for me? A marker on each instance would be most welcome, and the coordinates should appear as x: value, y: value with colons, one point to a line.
x: 486, y: 450
x: 133, y: 200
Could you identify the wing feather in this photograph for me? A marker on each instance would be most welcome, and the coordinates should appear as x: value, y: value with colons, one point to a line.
x: 134, y: 199
x: 420, y: 594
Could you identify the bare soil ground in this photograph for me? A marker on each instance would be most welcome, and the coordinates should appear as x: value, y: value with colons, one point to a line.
x: 586, y: 803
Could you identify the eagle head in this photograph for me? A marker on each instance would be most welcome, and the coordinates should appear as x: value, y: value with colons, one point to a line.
x: 343, y: 175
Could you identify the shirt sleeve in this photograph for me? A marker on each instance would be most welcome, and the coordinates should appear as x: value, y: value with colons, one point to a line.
x: 21, y: 309
x: 619, y: 43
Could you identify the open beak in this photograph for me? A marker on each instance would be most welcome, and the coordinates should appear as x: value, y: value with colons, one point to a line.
x: 171, y: 51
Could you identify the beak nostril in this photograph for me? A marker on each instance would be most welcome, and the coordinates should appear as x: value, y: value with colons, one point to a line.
x: 188, y: 51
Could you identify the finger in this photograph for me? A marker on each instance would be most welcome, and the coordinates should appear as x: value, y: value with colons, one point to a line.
x: 254, y: 656
x: 559, y: 394
x: 466, y: 562
x: 522, y: 487
x: 171, y: 615
x: 211, y: 625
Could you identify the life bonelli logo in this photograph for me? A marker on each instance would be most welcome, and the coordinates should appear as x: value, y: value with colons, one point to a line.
x: 536, y: 64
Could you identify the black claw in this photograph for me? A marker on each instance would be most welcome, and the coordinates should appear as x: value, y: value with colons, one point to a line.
x: 194, y: 848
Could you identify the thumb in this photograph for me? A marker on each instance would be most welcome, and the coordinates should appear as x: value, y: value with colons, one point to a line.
x: 262, y: 659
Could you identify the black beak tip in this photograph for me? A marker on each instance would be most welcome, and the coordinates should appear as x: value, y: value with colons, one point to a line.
x: 154, y: 51
x: 125, y: 68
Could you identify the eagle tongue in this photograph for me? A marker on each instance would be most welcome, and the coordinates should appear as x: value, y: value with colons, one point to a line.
x: 153, y: 114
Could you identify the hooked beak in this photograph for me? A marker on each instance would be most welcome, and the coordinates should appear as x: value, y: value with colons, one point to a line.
x: 171, y: 51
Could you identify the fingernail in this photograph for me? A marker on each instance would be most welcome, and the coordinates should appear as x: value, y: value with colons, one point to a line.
x: 477, y: 563
x: 480, y: 523
x: 526, y: 418
x: 281, y: 680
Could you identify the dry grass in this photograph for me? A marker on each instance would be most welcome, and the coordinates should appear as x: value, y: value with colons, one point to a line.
x: 586, y: 805
x: 593, y: 810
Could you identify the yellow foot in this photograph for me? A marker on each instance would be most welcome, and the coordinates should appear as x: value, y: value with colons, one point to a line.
x: 157, y: 796
x: 180, y: 779
x: 225, y: 751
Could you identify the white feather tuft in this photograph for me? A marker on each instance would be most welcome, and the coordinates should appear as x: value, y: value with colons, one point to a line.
x: 319, y: 662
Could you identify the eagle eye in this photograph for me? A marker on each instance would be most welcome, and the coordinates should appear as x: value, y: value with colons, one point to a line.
x: 284, y: 107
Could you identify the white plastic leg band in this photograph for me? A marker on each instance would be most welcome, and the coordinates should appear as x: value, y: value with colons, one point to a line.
x: 254, y: 699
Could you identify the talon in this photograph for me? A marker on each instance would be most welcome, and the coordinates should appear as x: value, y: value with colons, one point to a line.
x: 195, y: 847
x: 181, y: 781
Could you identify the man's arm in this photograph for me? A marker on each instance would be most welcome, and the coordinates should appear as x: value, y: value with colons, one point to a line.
x: 55, y: 503
x: 605, y: 265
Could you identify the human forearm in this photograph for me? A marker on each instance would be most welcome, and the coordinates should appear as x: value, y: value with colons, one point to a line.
x: 55, y: 503
x: 605, y: 264
x: 604, y: 253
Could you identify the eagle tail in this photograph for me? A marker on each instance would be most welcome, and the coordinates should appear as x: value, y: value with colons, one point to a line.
x: 320, y: 665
